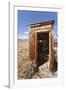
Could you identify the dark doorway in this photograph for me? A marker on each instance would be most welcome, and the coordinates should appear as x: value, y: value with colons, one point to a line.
x: 42, y: 47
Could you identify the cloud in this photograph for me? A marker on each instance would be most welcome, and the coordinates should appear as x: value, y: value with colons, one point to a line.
x: 23, y: 36
x: 26, y: 32
x: 19, y: 36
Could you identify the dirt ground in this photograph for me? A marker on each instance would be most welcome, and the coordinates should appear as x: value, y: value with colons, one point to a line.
x: 23, y: 58
x: 25, y: 65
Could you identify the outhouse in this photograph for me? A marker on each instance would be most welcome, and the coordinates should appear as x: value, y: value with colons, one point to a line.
x: 41, y: 43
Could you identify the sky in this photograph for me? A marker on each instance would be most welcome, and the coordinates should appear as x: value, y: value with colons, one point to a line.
x: 25, y: 18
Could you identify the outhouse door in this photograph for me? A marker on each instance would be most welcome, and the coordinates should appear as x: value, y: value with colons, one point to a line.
x: 42, y: 50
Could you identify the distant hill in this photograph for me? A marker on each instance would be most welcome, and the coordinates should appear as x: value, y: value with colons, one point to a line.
x: 22, y: 40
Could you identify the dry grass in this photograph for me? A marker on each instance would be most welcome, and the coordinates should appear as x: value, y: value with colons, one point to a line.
x: 24, y: 62
x: 23, y: 58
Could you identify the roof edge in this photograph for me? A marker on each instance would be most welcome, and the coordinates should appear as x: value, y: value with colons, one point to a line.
x: 42, y: 23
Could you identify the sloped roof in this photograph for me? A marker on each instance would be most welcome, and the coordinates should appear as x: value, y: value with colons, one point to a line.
x: 42, y: 23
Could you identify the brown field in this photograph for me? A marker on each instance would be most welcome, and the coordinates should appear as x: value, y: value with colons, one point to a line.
x: 23, y: 58
x: 24, y: 63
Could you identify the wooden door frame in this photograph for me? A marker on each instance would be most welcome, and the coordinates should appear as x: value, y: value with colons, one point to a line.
x: 50, y: 51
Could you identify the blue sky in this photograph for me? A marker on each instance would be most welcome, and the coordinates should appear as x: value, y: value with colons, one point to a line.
x: 26, y: 18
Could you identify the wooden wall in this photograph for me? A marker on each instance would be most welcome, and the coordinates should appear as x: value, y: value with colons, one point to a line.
x: 32, y: 47
x: 32, y: 42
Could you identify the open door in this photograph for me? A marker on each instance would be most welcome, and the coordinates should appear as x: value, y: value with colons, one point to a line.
x: 41, y: 44
x: 42, y: 47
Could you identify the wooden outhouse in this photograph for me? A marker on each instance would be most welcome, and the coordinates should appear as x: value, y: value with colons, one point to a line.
x: 41, y: 43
